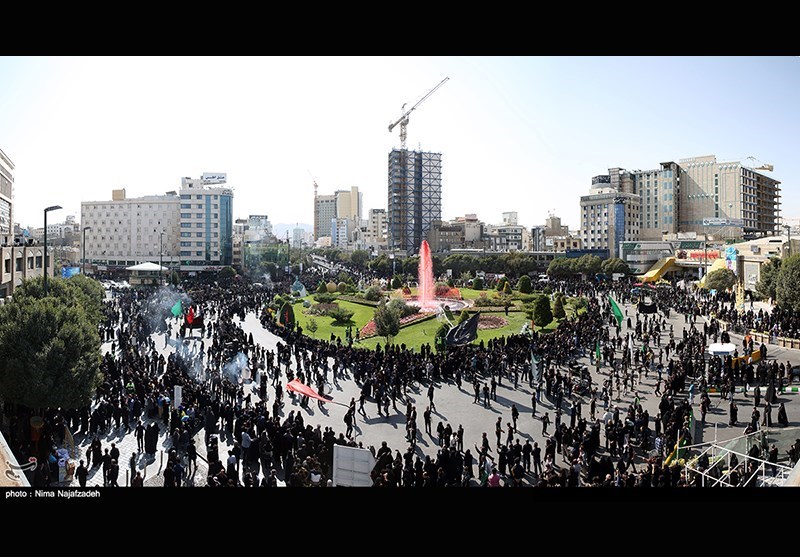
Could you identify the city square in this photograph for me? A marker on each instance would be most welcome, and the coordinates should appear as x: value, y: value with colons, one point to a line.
x: 647, y: 334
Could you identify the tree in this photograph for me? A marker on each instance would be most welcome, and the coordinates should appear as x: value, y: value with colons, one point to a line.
x: 507, y: 288
x: 768, y: 283
x: 558, y: 308
x: 396, y: 282
x: 542, y: 315
x: 322, y: 287
x: 226, y: 273
x: 359, y: 258
x: 341, y: 287
x: 50, y: 346
x: 561, y: 267
x: 312, y: 325
x: 524, y: 285
x: 477, y: 283
x: 340, y: 314
x: 174, y: 278
x: 787, y: 289
x: 387, y: 321
x: 373, y: 294
x: 720, y: 280
x: 614, y: 265
x: 588, y: 264
x: 331, y: 287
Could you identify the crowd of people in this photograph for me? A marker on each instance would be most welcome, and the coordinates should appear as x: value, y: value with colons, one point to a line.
x: 267, y: 445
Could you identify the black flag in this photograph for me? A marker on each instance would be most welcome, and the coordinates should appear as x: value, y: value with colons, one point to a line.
x: 463, y: 332
x: 647, y: 308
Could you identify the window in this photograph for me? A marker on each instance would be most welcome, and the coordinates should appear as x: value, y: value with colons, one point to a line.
x: 199, y: 225
x: 186, y: 234
x: 186, y: 215
x: 186, y: 196
x: 198, y: 197
x: 199, y: 253
x: 186, y: 253
x: 18, y: 265
x: 186, y: 244
x: 198, y: 244
x: 186, y: 225
x: 38, y: 262
x: 198, y: 234
x: 198, y: 215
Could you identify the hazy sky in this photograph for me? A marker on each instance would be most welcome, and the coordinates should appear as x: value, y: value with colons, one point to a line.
x: 519, y: 134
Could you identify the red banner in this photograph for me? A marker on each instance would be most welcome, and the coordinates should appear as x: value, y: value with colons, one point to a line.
x: 298, y: 387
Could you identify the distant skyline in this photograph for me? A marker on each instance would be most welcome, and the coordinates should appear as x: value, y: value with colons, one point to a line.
x: 522, y: 134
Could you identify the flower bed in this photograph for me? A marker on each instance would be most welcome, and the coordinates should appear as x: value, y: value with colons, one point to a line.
x: 491, y: 322
x: 370, y: 330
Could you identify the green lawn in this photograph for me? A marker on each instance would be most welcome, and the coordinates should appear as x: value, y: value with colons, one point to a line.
x: 414, y: 336
x: 362, y: 314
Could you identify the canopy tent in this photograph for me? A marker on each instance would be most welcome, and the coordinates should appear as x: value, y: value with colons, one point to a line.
x: 720, y: 349
x: 147, y: 266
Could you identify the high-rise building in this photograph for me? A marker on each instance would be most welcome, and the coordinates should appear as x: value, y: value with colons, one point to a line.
x: 298, y: 236
x: 414, y: 197
x: 340, y: 232
x: 6, y: 199
x: 324, y: 211
x: 680, y: 197
x: 128, y: 231
x: 538, y: 238
x: 747, y: 200
x: 348, y: 205
x: 608, y: 216
x: 207, y: 220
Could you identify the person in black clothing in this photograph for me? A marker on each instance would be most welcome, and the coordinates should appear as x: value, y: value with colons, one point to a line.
x: 113, y: 474
x: 82, y: 474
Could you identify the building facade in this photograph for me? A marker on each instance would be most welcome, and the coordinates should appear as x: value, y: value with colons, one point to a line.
x: 749, y: 200
x: 608, y: 217
x: 206, y: 224
x: 21, y: 256
x: 128, y: 231
x: 324, y: 211
x: 6, y: 199
x: 414, y: 197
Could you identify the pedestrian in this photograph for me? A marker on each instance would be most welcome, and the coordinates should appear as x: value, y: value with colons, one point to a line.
x: 430, y: 397
x: 498, y: 429
x: 545, y: 422
x: 514, y: 416
x: 82, y: 473
x: 533, y: 405
x: 426, y: 416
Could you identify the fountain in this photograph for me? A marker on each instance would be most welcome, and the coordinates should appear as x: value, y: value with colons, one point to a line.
x: 425, y: 295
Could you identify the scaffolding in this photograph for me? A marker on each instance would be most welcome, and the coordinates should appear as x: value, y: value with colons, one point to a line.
x: 717, y: 462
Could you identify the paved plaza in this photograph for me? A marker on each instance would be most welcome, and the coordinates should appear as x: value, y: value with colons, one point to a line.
x: 453, y: 405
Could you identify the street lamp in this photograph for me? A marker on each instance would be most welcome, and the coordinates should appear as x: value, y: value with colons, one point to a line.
x: 47, y: 210
x: 83, y: 247
x: 161, y: 258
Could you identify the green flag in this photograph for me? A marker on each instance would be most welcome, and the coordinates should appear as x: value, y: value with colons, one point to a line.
x: 616, y: 310
x: 597, y: 355
x: 177, y: 309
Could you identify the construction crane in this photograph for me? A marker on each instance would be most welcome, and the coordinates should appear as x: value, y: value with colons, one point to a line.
x: 764, y: 166
x: 403, y: 120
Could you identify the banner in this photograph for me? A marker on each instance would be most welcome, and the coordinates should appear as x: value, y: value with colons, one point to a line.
x: 69, y: 272
x: 615, y: 309
x: 177, y: 310
x: 297, y: 387
x: 465, y: 332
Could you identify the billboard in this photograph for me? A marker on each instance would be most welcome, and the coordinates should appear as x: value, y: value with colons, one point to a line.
x: 67, y: 272
x: 215, y: 177
x: 722, y: 222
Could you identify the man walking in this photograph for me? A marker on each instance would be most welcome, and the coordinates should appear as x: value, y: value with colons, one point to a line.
x: 545, y: 422
x: 430, y: 397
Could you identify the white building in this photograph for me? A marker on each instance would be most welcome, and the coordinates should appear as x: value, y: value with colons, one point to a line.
x: 340, y: 232
x: 206, y: 223
x: 298, y: 237
x: 128, y: 231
